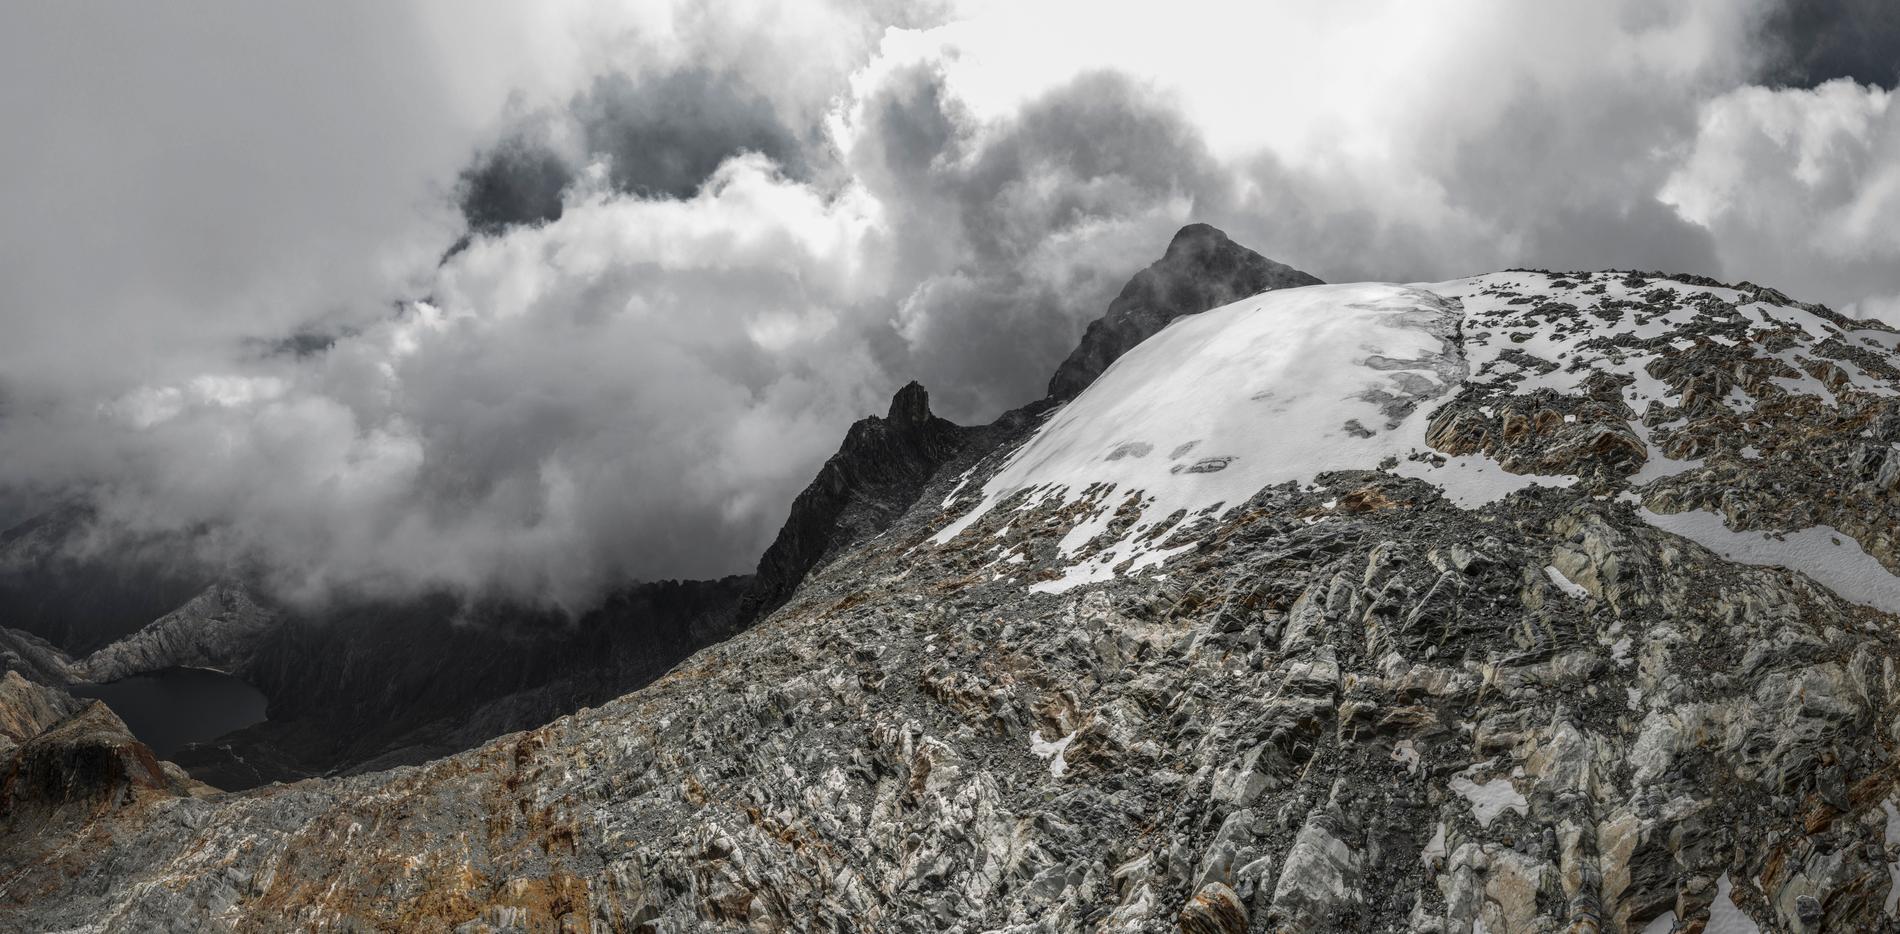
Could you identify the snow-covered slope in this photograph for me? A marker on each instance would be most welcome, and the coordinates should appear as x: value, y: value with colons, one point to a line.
x: 1274, y: 388
x: 1660, y: 390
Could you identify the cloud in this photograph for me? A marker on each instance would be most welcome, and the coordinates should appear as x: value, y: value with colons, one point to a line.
x: 698, y: 241
x: 1811, y: 42
x: 1798, y: 188
x: 663, y: 135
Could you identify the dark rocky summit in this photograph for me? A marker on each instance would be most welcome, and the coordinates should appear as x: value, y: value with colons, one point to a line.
x: 875, y: 476
x: 85, y: 761
x: 1202, y: 269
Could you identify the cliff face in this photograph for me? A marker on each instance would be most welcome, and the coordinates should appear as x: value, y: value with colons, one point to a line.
x: 34, y: 657
x: 1201, y: 269
x: 83, y: 763
x: 28, y: 709
x: 876, y: 475
x: 1352, y: 608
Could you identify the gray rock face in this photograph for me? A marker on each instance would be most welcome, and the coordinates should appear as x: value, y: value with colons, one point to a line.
x: 1355, y: 704
x: 33, y: 657
x: 28, y: 709
x: 908, y: 746
x: 875, y: 476
x: 1202, y: 269
x: 221, y: 628
x: 80, y: 776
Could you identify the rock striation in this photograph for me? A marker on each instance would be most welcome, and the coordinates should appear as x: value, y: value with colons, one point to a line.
x: 221, y: 628
x: 28, y: 709
x: 34, y: 657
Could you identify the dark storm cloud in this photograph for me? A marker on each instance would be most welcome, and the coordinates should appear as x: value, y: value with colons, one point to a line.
x: 1565, y: 183
x: 1018, y: 234
x: 1810, y: 42
x: 517, y: 182
x: 656, y: 136
x: 665, y: 136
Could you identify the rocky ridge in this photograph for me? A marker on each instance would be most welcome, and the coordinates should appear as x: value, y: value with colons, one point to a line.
x: 221, y: 628
x: 1201, y: 269
x: 371, y: 684
x: 1496, y: 679
x: 876, y: 475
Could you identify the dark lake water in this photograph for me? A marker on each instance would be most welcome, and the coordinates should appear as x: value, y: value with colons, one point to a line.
x: 175, y: 706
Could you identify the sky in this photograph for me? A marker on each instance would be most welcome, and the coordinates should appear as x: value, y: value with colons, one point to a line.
x: 541, y: 299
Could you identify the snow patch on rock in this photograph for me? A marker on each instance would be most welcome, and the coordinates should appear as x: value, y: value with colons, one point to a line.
x: 1474, y: 480
x: 1043, y: 749
x: 1570, y: 588
x: 1832, y: 559
x: 1488, y: 799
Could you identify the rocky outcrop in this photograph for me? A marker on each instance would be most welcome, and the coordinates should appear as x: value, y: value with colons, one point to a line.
x: 877, y: 473
x: 221, y: 628
x: 34, y: 657
x: 82, y: 767
x: 1388, y: 718
x: 1201, y: 269
x: 27, y: 709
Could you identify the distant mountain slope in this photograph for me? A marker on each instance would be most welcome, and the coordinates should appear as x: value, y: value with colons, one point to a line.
x: 385, y: 683
x: 221, y: 628
x: 80, y: 595
x: 1201, y: 269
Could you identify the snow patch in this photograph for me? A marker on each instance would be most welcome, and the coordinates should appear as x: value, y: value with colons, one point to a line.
x: 1832, y: 559
x: 1435, y: 847
x: 1474, y: 480
x: 1570, y: 588
x: 1488, y: 799
x: 1405, y: 753
x: 1726, y: 917
x: 1051, y: 751
x: 1661, y: 924
x: 1657, y: 465
x: 1620, y: 652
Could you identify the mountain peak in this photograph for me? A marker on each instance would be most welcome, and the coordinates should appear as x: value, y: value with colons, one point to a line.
x: 1202, y: 268
x: 1199, y: 236
x: 911, y: 405
x: 875, y: 477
